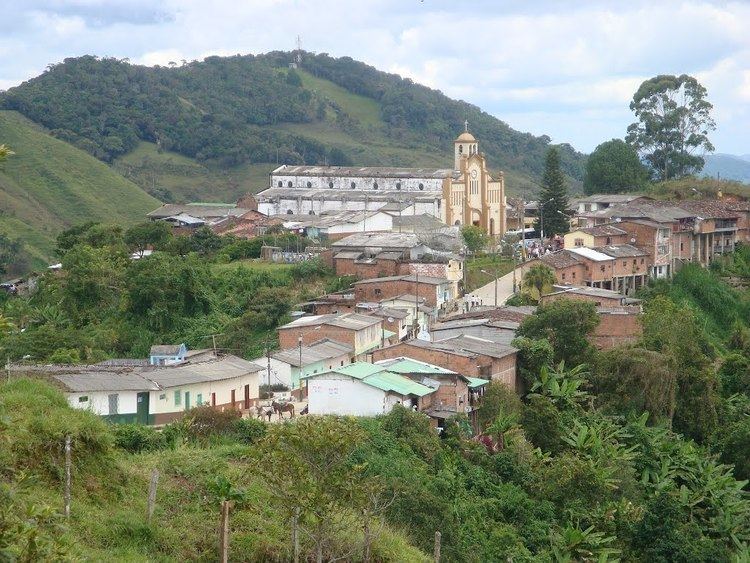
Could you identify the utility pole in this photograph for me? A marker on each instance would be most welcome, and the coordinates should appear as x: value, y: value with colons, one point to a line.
x: 68, y: 464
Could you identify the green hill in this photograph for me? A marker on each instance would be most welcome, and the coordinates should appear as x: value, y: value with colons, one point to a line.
x: 49, y: 185
x: 213, y: 129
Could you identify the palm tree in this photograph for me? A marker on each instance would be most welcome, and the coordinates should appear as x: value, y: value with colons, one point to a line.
x: 504, y: 422
x: 6, y: 325
x: 538, y: 280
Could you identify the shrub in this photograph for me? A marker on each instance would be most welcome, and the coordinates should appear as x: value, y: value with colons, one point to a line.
x: 249, y: 430
x: 205, y: 421
x: 135, y: 438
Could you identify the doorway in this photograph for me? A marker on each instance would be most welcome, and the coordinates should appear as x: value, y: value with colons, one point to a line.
x: 141, y: 409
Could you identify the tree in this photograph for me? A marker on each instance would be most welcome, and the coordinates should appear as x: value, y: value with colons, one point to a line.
x: 538, y: 280
x: 151, y: 233
x: 475, y: 238
x: 5, y: 152
x: 674, y: 119
x: 613, y: 168
x: 566, y: 324
x: 553, y: 200
x: 9, y: 252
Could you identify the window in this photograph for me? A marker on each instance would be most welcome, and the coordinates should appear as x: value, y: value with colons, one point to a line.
x: 563, y: 276
x: 311, y: 212
x: 601, y: 267
x: 460, y: 149
x: 681, y: 247
x: 163, y: 397
x: 342, y: 362
x: 374, y: 185
x: 624, y: 262
x: 421, y: 186
x: 609, y: 240
x: 199, y: 399
x: 330, y: 184
x: 309, y: 184
x: 587, y: 207
x: 83, y: 399
x: 289, y: 184
x: 398, y: 185
x: 289, y: 212
x: 281, y: 184
x: 641, y: 260
x: 578, y: 242
x: 635, y: 261
x: 377, y: 291
x: 177, y: 398
x: 114, y: 403
x: 574, y: 275
x: 353, y: 185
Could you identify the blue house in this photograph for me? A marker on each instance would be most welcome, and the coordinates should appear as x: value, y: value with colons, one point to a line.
x: 167, y: 354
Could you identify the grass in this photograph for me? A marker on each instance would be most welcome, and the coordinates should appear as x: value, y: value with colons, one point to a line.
x: 49, y: 185
x: 366, y: 110
x: 110, y: 488
x: 492, y: 263
x: 183, y: 179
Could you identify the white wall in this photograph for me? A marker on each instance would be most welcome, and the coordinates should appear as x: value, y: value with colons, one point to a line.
x: 98, y: 401
x: 341, y: 395
x: 302, y: 205
x: 378, y: 222
x: 223, y: 390
x: 361, y: 183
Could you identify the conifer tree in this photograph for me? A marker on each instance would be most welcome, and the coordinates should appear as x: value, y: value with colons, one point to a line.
x: 553, y: 201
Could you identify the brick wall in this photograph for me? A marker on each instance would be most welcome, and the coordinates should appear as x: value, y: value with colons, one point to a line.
x: 616, y: 329
x: 375, y: 269
x: 631, y: 266
x: 575, y: 275
x: 288, y: 338
x: 394, y: 288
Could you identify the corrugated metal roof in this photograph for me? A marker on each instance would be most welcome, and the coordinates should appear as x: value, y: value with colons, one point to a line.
x: 621, y: 251
x: 364, y: 172
x: 590, y: 254
x: 227, y: 367
x: 389, y: 381
x: 475, y: 382
x: 105, y: 381
x: 318, y: 351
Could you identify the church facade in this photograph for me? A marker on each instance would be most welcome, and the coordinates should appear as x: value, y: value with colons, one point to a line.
x: 463, y: 195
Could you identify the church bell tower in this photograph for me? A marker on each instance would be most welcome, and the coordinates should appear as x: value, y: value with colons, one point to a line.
x: 464, y: 146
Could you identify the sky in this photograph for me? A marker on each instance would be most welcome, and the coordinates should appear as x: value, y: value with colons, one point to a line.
x: 567, y: 69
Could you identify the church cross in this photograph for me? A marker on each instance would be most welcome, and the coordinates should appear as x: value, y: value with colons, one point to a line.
x: 466, y: 125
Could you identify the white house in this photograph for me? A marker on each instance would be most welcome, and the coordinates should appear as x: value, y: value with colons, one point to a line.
x: 362, y: 389
x: 225, y: 382
x: 116, y: 396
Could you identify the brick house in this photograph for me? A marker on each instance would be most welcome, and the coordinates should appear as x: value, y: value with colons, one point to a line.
x: 467, y: 355
x: 437, y: 292
x: 656, y: 239
x: 363, y: 333
x: 590, y: 237
x: 617, y: 326
x: 600, y: 297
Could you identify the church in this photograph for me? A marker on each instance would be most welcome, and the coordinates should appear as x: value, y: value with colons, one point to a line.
x: 463, y: 195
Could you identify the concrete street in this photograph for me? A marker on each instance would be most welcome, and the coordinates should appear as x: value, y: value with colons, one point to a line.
x: 504, y: 288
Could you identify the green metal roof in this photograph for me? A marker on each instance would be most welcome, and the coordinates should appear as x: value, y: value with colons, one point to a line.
x: 475, y: 382
x: 388, y: 381
x: 388, y: 333
x: 357, y: 370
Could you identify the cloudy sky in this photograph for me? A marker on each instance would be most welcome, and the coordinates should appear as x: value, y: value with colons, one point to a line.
x: 563, y: 68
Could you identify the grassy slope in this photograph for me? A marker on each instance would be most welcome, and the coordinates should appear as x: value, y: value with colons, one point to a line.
x: 367, y: 142
x: 50, y: 185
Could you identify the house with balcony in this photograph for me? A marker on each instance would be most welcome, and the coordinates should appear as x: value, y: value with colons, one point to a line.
x: 600, y: 235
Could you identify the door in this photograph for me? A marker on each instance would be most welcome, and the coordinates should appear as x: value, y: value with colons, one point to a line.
x: 187, y: 400
x: 247, y: 397
x: 141, y: 415
x: 233, y: 398
x: 213, y: 399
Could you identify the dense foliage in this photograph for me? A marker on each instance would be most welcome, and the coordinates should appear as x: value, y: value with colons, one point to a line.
x: 614, y: 167
x: 553, y: 199
x: 224, y: 109
x: 105, y: 304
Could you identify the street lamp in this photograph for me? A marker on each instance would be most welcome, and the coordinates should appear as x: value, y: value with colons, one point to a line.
x: 541, y: 217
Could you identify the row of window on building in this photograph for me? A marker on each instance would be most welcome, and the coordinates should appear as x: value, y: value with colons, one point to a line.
x: 353, y: 185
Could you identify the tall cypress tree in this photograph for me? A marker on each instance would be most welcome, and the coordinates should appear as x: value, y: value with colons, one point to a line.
x: 553, y: 201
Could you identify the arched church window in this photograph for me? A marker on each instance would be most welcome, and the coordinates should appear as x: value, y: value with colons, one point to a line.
x: 398, y: 185
x: 421, y: 186
x: 311, y: 212
x: 289, y: 184
x: 457, y: 223
x: 460, y: 149
x: 289, y: 212
x: 374, y: 185
x: 281, y: 184
x: 309, y: 184
x: 353, y: 185
x: 330, y: 184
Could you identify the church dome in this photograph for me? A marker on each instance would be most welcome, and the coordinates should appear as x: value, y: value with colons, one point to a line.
x: 465, y: 137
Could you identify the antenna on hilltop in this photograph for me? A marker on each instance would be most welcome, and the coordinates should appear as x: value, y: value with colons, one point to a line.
x: 298, y: 58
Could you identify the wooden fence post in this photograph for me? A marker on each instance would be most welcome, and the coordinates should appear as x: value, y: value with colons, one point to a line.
x: 68, y: 463
x: 437, y: 547
x: 152, y: 494
x: 224, y: 532
x: 295, y: 534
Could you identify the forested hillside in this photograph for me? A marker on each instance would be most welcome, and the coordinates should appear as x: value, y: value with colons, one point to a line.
x: 229, y: 112
x: 48, y: 185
